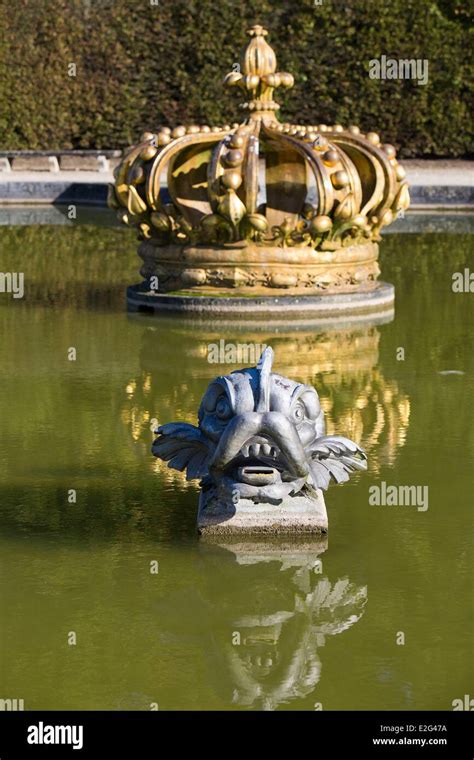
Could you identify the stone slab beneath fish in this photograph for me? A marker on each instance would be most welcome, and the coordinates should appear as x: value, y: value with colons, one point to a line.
x: 300, y: 514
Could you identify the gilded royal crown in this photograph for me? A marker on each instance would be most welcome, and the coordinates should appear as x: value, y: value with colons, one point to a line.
x: 260, y: 206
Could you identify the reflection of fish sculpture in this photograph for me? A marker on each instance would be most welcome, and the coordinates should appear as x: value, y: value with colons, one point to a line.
x: 260, y: 438
x: 278, y: 660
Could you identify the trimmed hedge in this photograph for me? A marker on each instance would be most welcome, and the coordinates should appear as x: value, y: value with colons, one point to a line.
x: 139, y: 65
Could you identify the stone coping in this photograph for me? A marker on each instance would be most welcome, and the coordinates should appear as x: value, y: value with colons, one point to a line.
x: 110, y: 153
x: 45, y: 162
x: 82, y: 177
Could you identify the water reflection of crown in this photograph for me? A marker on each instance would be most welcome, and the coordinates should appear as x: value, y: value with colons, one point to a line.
x: 260, y: 203
x: 354, y: 392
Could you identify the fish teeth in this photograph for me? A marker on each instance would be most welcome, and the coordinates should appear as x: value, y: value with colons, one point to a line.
x: 259, y: 449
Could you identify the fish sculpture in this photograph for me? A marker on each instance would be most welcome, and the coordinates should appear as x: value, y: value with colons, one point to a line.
x: 260, y: 439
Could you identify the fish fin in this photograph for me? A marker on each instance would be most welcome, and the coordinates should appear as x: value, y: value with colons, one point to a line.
x: 335, y: 457
x: 184, y: 447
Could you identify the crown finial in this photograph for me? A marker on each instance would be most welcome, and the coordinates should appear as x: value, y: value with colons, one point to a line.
x: 257, y: 31
x: 257, y: 74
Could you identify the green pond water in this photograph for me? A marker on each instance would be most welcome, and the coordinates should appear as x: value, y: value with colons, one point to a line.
x: 318, y: 624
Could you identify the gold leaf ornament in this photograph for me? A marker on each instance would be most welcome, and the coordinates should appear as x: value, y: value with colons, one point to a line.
x: 135, y: 204
x: 402, y: 200
x: 160, y: 221
x: 346, y: 208
x: 232, y: 207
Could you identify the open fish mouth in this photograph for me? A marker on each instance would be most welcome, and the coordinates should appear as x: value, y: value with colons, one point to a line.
x: 257, y: 475
x: 261, y: 456
x: 260, y: 450
x: 258, y: 463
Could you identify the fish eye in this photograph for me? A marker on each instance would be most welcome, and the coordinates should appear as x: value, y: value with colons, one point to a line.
x: 298, y: 413
x: 223, y: 409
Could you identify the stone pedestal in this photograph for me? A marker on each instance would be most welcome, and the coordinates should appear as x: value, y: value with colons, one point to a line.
x: 301, y: 514
x: 370, y: 304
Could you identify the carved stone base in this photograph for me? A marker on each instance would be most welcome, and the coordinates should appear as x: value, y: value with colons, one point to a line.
x: 368, y: 304
x: 249, y: 269
x: 296, y: 514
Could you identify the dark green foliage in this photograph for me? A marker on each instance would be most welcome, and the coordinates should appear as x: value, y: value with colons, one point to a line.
x: 140, y: 65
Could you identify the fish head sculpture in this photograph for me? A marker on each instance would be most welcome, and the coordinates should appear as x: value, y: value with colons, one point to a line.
x: 261, y: 435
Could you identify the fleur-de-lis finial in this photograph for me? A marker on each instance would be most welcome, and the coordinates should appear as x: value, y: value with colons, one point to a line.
x: 257, y: 75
